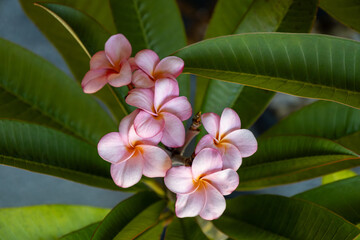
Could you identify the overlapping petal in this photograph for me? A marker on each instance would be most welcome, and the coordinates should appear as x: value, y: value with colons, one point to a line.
x: 231, y: 156
x: 180, y: 180
x: 122, y: 78
x: 125, y: 125
x: 169, y: 67
x: 225, y: 181
x: 190, y: 205
x: 117, y: 48
x: 146, y: 60
x: 244, y: 140
x: 94, y: 80
x: 211, y: 122
x: 127, y: 173
x: 173, y: 131
x: 156, y: 161
x: 147, y: 125
x: 141, y: 98
x: 142, y: 80
x: 99, y: 60
x: 112, y: 148
x: 215, y: 203
x: 206, y: 161
x: 206, y: 141
x: 165, y: 90
x: 179, y: 106
x: 229, y: 121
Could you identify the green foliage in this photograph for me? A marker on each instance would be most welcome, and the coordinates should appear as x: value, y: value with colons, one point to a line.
x: 338, y: 176
x: 184, y: 229
x: 83, y: 233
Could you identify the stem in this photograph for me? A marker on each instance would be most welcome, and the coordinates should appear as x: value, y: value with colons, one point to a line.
x: 118, y: 100
x: 192, y: 132
x: 155, y: 186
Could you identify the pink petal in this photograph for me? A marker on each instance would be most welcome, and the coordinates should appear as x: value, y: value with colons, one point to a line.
x: 179, y: 106
x: 180, y: 180
x: 125, y: 125
x: 169, y: 67
x: 229, y: 121
x: 156, y: 161
x: 146, y: 60
x: 165, y: 90
x: 211, y: 122
x: 244, y: 140
x: 206, y: 161
x: 147, y: 125
x: 94, y: 80
x: 141, y: 98
x: 142, y: 80
x: 127, y: 173
x: 174, y: 131
x: 122, y: 78
x: 206, y: 141
x: 99, y: 60
x: 225, y: 181
x: 117, y: 48
x: 190, y: 205
x: 132, y: 64
x: 112, y: 148
x: 215, y: 204
x: 231, y: 156
x: 135, y: 139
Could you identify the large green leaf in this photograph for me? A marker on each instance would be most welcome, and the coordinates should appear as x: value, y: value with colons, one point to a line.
x: 155, y: 25
x: 131, y: 217
x: 277, y: 217
x: 45, y: 150
x: 81, y: 234
x: 341, y: 197
x: 306, y: 65
x: 153, y: 233
x: 33, y: 90
x: 338, y: 176
x: 286, y: 159
x: 46, y: 221
x: 345, y: 11
x: 184, y: 229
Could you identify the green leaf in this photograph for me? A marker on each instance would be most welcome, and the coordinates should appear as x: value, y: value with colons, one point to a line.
x: 184, y: 229
x: 46, y: 221
x: 45, y: 150
x: 341, y: 197
x: 306, y: 65
x: 155, y: 25
x: 287, y: 159
x: 127, y: 214
x: 345, y: 11
x: 277, y: 217
x: 81, y: 234
x: 154, y: 232
x: 33, y: 90
x: 338, y: 176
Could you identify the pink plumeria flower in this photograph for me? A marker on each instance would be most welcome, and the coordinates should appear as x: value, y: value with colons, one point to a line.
x: 162, y: 112
x: 152, y: 69
x: 226, y: 136
x: 109, y: 66
x: 200, y: 188
x: 132, y: 156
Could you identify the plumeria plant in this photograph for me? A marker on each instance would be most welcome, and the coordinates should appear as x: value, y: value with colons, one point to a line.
x: 133, y: 120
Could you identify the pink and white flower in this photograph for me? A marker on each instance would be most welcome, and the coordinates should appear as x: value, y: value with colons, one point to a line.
x: 109, y: 66
x: 200, y: 188
x: 132, y: 156
x: 162, y: 112
x: 226, y: 136
x: 151, y: 68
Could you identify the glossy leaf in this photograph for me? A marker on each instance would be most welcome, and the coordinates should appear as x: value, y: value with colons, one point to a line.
x: 345, y: 11
x: 325, y: 66
x: 125, y: 216
x: 287, y: 159
x: 81, y: 234
x: 277, y: 217
x: 33, y: 90
x: 341, y: 197
x: 154, y: 232
x: 338, y: 176
x: 184, y: 229
x: 46, y: 221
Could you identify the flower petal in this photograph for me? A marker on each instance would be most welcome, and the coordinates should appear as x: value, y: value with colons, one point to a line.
x: 174, y: 131
x: 99, y: 60
x: 122, y: 78
x: 165, y: 90
x: 127, y: 173
x: 244, y: 140
x: 215, y: 204
x: 156, y: 161
x: 206, y: 141
x: 147, y: 125
x: 142, y: 80
x: 112, y: 148
x: 94, y: 80
x: 225, y: 181
x: 146, y: 60
x: 169, y: 67
x: 180, y: 180
x: 229, y: 121
x: 211, y: 122
x: 179, y: 106
x: 132, y: 64
x: 141, y: 98
x: 206, y: 161
x: 125, y: 125
x: 231, y: 156
x: 190, y: 205
x: 117, y: 48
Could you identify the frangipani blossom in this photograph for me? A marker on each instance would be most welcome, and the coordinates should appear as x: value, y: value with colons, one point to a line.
x: 109, y: 66
x: 132, y: 156
x: 226, y: 136
x: 200, y: 188
x: 152, y: 69
x: 162, y: 112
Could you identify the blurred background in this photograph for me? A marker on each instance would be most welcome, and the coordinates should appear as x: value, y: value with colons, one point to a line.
x: 23, y: 188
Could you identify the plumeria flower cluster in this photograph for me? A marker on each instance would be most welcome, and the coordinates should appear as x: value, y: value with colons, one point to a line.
x: 133, y: 151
